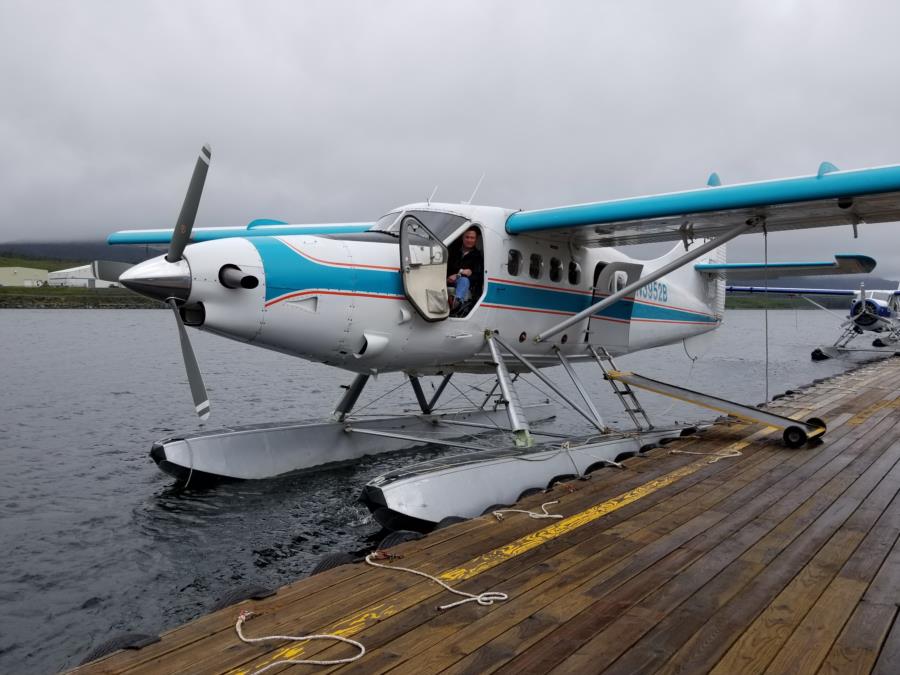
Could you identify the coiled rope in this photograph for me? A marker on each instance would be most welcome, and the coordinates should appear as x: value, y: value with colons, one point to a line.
x: 485, y: 599
x: 245, y: 616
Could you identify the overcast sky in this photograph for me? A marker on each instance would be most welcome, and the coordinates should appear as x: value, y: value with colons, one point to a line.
x: 338, y: 111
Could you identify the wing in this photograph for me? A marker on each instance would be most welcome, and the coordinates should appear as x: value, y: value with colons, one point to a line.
x: 830, y: 197
x: 792, y: 291
x: 262, y: 227
x: 843, y: 264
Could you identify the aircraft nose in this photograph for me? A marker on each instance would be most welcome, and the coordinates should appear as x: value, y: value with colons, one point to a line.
x: 160, y: 279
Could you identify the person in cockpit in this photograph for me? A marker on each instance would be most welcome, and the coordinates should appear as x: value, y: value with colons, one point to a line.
x: 466, y: 264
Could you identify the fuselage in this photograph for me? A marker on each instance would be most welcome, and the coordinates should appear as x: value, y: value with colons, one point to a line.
x: 341, y: 299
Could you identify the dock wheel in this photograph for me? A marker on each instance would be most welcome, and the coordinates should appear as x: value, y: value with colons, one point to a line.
x: 794, y: 437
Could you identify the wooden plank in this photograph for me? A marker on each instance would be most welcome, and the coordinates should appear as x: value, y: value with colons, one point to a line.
x: 703, y: 650
x: 859, y: 643
x: 890, y: 652
x: 813, y: 638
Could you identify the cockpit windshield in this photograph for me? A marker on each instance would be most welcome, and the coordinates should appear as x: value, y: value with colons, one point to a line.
x: 442, y: 225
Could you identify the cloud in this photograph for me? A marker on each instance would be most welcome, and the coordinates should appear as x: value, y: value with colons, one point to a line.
x: 339, y: 111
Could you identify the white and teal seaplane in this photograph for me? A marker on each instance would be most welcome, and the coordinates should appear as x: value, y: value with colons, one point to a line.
x: 549, y: 287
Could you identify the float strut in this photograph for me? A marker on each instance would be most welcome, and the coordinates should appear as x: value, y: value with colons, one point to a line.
x: 579, y: 386
x: 517, y: 420
x: 420, y: 395
x: 348, y: 400
x: 440, y: 390
x: 428, y: 406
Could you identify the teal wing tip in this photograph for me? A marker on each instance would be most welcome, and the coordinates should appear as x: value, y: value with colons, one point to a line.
x: 714, y: 180
x: 260, y: 222
x: 825, y: 167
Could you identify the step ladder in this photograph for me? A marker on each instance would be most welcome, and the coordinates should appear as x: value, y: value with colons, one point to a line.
x: 622, y: 390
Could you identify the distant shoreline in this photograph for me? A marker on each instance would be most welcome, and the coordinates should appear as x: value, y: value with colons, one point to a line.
x: 49, y: 297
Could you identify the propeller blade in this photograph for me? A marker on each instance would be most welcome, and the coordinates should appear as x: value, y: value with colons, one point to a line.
x: 185, y: 224
x: 109, y: 270
x: 198, y: 389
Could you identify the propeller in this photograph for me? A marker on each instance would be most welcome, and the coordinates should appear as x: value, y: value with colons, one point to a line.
x: 180, y: 237
x: 863, y: 307
x: 195, y: 379
x: 185, y: 223
x: 169, y: 278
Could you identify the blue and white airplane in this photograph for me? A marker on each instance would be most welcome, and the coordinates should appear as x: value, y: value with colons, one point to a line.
x: 372, y: 297
x: 870, y: 311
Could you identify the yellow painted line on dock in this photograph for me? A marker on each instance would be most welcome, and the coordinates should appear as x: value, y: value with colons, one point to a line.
x: 375, y: 613
x: 870, y: 410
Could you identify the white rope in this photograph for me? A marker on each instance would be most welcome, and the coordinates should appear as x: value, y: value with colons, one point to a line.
x: 245, y: 616
x: 716, y: 456
x: 531, y: 514
x: 485, y: 599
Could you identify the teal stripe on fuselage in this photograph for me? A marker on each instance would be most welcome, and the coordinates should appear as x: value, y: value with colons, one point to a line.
x: 287, y: 271
x: 571, y: 303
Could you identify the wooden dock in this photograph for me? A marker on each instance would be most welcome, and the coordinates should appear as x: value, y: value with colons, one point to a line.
x: 742, y: 557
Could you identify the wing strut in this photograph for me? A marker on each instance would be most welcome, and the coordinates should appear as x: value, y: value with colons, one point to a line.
x: 653, y: 276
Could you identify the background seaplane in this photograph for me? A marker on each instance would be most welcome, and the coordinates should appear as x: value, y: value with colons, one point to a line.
x: 870, y: 311
x: 372, y: 298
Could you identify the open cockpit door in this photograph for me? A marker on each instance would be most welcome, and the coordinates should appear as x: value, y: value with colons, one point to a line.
x: 423, y: 265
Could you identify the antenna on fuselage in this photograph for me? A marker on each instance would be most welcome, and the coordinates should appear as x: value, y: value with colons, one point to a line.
x: 431, y: 196
x: 475, y: 191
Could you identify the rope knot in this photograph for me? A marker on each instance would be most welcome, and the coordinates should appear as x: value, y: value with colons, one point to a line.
x: 246, y: 615
x: 384, y: 555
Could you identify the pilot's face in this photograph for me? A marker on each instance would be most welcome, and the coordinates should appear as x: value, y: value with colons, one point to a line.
x: 469, y: 239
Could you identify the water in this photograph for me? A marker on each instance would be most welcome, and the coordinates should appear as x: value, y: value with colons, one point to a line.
x: 96, y: 540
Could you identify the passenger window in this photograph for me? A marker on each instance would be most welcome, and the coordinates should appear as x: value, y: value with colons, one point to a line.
x: 513, y: 262
x: 536, y: 268
x: 555, y: 269
x: 618, y: 282
x: 574, y: 273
